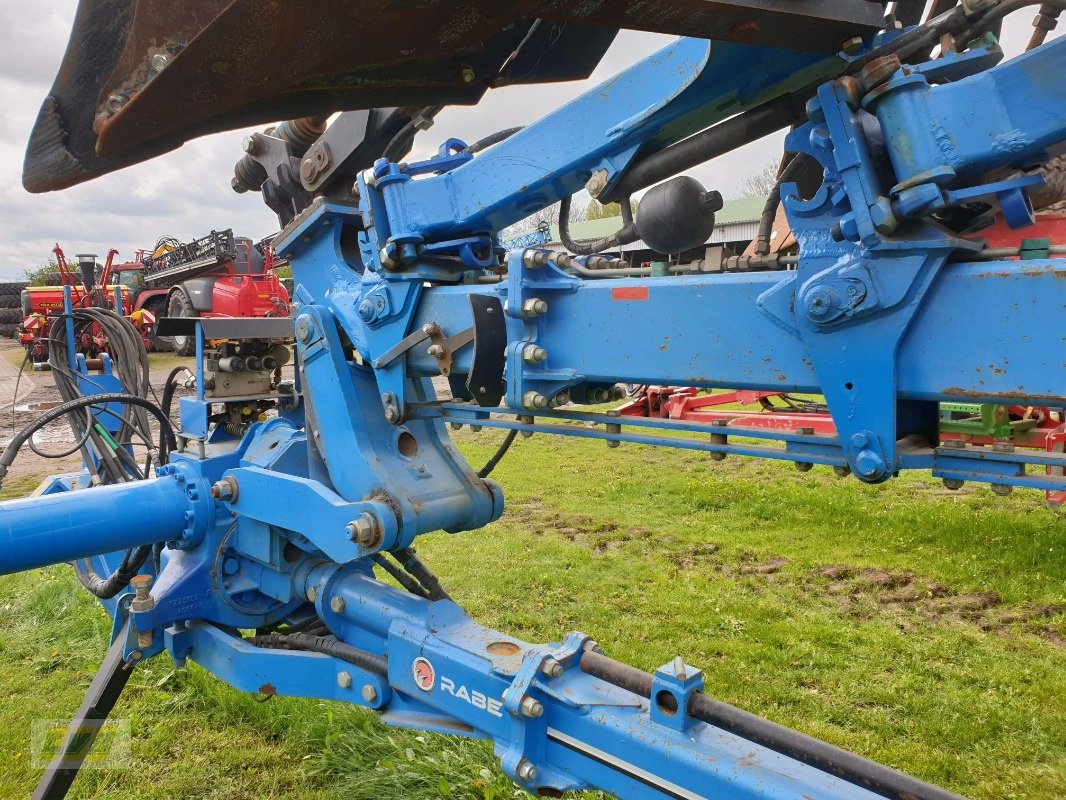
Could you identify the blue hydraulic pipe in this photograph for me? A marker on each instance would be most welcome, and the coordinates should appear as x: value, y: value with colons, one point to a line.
x: 54, y: 528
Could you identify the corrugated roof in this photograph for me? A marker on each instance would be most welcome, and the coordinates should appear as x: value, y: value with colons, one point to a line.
x: 744, y: 210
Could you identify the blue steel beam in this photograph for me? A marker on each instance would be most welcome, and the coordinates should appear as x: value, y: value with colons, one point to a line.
x: 67, y: 526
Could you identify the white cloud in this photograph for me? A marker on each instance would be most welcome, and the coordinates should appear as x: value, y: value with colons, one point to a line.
x: 186, y: 193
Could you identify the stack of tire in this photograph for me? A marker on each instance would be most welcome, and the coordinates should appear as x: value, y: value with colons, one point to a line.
x: 10, y: 307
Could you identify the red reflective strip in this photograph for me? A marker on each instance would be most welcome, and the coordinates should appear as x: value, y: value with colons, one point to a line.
x: 630, y: 293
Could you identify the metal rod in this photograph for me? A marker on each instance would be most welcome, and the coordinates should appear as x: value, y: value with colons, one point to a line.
x: 808, y: 750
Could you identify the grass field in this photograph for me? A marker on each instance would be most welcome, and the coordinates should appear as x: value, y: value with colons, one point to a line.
x: 920, y: 627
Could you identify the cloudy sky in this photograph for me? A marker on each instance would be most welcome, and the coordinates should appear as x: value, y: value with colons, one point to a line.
x: 186, y: 193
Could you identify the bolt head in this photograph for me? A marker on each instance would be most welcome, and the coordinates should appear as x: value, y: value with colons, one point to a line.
x: 534, y: 307
x: 250, y: 145
x: 116, y: 102
x: 852, y: 45
x: 303, y: 330
x: 466, y: 74
x: 160, y: 61
x: 338, y: 604
x: 344, y: 680
x: 526, y: 771
x: 370, y: 694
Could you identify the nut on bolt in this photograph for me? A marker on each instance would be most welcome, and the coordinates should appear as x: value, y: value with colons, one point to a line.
x: 226, y: 489
x: 852, y: 45
x: 534, y: 307
x: 534, y: 400
x: 526, y: 771
x: 532, y: 354
x: 365, y: 530
x: 531, y: 707
x: 435, y: 351
x: 597, y: 183
x: 552, y: 668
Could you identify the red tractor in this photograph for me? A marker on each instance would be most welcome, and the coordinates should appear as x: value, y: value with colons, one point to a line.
x: 214, y: 276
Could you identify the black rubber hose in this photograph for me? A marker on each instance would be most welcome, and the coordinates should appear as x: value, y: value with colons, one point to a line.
x: 329, y: 645
x: 588, y: 247
x: 13, y: 447
x: 167, y: 400
x: 823, y: 756
x: 497, y: 457
x: 417, y: 568
x: 996, y: 14
x: 402, y: 578
x: 492, y: 139
x: 773, y: 202
x: 717, y: 140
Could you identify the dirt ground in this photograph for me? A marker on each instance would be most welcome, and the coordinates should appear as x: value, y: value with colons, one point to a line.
x: 25, y: 397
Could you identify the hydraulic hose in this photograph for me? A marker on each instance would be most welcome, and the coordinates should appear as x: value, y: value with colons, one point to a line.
x: 821, y: 755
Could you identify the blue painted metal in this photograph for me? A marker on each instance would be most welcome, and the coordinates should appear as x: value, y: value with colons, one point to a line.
x: 877, y: 317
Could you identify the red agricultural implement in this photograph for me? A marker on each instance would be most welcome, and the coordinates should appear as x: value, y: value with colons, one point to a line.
x: 214, y: 276
x: 43, y: 305
x: 728, y: 413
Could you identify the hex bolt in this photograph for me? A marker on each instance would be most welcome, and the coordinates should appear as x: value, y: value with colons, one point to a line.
x: 534, y: 307
x: 312, y: 593
x: 526, y: 771
x: 597, y: 183
x: 852, y: 45
x: 160, y: 61
x: 431, y: 329
x: 531, y: 707
x: 338, y: 604
x: 551, y: 668
x: 116, y: 102
x: 532, y: 354
x: 534, y: 400
x: 344, y: 680
x: 226, y: 489
x: 392, y: 413
x: 303, y: 330
x: 365, y: 530
x: 435, y: 351
x: 559, y: 399
x: 370, y: 694
x: 250, y: 144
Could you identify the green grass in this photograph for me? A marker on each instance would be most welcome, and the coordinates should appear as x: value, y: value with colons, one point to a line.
x: 923, y: 628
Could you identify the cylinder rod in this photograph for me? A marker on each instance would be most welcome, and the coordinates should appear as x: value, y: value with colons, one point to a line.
x: 813, y: 752
x: 53, y: 528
